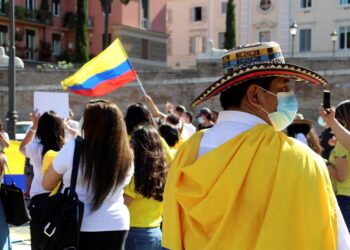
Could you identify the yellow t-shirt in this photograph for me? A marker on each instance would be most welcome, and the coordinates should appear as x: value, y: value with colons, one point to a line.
x: 331, y: 160
x: 343, y: 188
x: 47, y: 161
x: 144, y: 212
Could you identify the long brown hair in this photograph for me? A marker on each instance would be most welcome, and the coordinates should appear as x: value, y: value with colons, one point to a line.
x: 150, y: 162
x: 106, y: 155
x: 342, y: 113
x: 50, y: 132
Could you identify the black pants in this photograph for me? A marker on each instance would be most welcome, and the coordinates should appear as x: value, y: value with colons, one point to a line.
x: 107, y: 240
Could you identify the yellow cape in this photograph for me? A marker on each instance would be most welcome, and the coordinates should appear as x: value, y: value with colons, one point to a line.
x: 259, y: 190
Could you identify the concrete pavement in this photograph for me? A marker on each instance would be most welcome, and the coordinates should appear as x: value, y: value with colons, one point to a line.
x: 20, y: 237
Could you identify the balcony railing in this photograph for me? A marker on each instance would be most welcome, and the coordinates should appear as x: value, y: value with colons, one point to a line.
x: 23, y: 14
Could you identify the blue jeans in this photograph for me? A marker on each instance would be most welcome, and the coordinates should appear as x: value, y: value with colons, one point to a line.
x: 4, y: 231
x: 144, y: 239
x: 344, y: 205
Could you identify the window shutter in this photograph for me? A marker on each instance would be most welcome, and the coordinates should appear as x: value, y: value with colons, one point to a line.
x: 191, y: 43
x: 204, y: 14
x: 191, y: 15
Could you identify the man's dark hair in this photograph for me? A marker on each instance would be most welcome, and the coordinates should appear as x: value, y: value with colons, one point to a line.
x: 189, y: 115
x: 233, y: 96
x: 180, y: 109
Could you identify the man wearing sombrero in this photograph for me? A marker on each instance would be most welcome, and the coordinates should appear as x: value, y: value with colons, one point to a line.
x: 243, y: 184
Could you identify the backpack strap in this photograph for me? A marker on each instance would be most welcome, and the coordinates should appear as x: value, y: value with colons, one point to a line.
x: 76, y: 159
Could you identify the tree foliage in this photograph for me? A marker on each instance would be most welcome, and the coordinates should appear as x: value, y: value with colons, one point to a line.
x: 81, y: 37
x: 230, y: 34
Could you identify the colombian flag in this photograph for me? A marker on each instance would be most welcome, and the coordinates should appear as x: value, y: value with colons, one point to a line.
x: 106, y: 72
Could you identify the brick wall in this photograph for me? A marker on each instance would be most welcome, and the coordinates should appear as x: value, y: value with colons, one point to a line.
x: 178, y: 87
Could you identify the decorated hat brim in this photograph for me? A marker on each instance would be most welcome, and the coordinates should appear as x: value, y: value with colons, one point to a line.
x: 303, y: 122
x: 291, y: 71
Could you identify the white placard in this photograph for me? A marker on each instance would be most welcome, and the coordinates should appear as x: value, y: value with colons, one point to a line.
x: 55, y: 101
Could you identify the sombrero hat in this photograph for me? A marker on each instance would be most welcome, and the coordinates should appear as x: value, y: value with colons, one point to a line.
x: 300, y: 120
x: 257, y: 60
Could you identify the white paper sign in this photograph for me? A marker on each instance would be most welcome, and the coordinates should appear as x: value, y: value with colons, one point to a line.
x: 55, y: 101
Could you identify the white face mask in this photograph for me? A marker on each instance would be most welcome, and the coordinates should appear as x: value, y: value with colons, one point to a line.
x: 201, y: 120
x: 287, y: 107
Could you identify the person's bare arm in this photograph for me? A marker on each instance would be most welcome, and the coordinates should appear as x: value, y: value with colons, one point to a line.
x: 31, y: 132
x: 153, y: 107
x: 4, y: 141
x: 342, y: 134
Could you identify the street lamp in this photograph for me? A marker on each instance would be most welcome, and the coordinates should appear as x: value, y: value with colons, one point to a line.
x: 293, y: 31
x: 334, y: 38
x: 12, y: 114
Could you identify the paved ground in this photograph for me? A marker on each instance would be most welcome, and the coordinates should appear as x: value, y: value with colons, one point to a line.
x: 20, y: 237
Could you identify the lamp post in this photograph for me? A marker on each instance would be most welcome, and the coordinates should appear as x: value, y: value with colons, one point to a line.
x: 11, y: 114
x: 334, y: 38
x: 293, y: 31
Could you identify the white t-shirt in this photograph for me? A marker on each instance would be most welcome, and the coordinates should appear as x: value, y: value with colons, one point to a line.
x: 113, y: 215
x: 188, y: 130
x: 33, y: 151
x: 74, y: 125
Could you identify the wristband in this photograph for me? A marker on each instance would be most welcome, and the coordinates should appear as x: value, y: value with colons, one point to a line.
x: 33, y: 130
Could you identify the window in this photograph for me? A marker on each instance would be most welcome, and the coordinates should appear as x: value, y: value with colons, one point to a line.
x: 344, y: 2
x: 304, y: 4
x: 3, y: 35
x: 265, y: 5
x: 145, y: 14
x: 197, y: 14
x: 305, y: 40
x: 30, y: 43
x: 223, y: 7
x: 221, y: 43
x: 264, y: 36
x: 197, y: 44
x: 344, y: 37
x: 2, y: 6
x: 56, y: 7
x: 30, y: 4
x: 56, y: 44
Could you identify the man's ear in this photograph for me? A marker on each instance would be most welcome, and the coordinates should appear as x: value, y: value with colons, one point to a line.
x: 253, y: 95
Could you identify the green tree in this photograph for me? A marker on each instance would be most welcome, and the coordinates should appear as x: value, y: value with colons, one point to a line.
x: 106, y: 8
x: 230, y: 34
x: 81, y: 37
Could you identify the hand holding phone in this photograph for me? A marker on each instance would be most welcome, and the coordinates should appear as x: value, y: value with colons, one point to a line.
x: 326, y: 100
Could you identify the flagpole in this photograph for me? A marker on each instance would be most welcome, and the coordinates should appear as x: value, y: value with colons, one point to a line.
x: 141, y: 86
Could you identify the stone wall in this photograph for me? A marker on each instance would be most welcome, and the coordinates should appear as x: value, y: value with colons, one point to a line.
x: 178, y: 87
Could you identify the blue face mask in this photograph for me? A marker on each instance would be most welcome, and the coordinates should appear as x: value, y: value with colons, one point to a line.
x: 287, y: 108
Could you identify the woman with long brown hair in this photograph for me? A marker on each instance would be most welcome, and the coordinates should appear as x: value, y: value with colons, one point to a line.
x: 46, y: 133
x: 340, y: 158
x: 106, y: 167
x: 144, y: 194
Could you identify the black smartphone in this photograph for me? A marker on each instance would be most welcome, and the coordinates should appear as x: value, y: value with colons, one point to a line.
x: 326, y: 99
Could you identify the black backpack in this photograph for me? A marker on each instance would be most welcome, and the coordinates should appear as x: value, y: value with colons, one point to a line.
x: 56, y: 222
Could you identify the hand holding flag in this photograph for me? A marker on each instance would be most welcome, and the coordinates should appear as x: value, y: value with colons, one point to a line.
x: 106, y: 72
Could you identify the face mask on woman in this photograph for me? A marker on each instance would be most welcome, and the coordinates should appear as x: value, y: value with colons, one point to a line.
x: 287, y: 108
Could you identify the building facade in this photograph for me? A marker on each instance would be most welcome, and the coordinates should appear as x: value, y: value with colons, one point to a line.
x: 44, y: 29
x: 190, y: 23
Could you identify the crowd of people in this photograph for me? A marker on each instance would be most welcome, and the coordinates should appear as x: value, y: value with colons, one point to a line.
x: 253, y: 176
